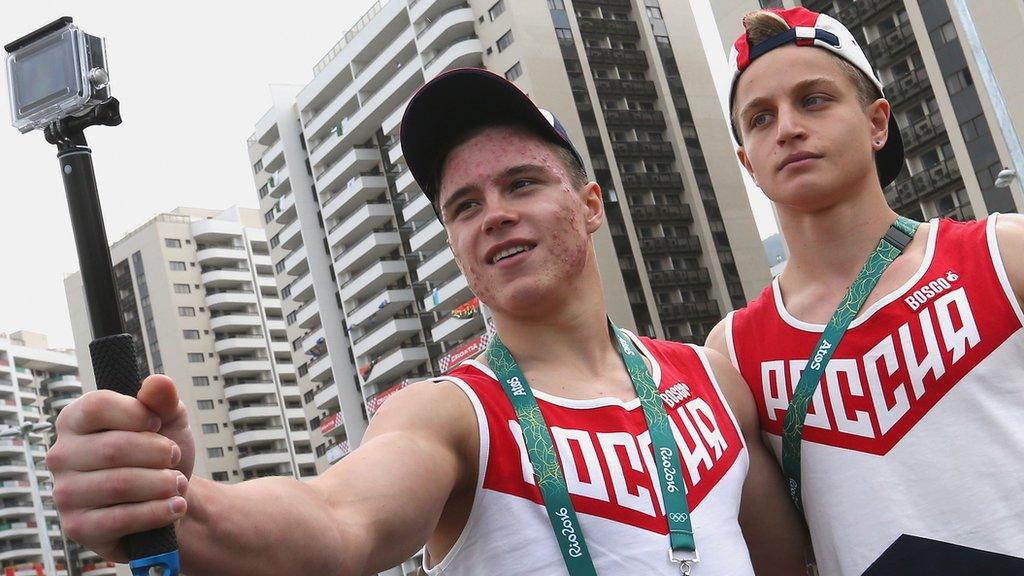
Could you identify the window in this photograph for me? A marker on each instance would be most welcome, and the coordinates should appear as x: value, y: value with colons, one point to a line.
x: 182, y: 289
x: 662, y: 40
x: 205, y: 404
x: 497, y: 10
x: 654, y: 13
x: 556, y: 5
x: 190, y: 334
x: 215, y: 452
x: 172, y: 242
x: 944, y: 34
x: 177, y: 266
x: 219, y: 476
x: 505, y: 41
x: 563, y: 33
x: 958, y: 80
x: 258, y: 166
x: 268, y: 216
x: 186, y: 311
x: 514, y: 72
x: 210, y: 428
x: 200, y: 380
x: 196, y: 358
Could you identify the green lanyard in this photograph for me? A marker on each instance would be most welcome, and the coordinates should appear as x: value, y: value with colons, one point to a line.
x: 889, y: 247
x: 548, y: 472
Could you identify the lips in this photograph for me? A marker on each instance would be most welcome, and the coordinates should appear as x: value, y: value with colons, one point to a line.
x: 508, y: 249
x: 796, y: 157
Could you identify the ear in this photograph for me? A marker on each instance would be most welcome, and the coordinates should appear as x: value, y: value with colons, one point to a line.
x: 741, y: 153
x: 594, y: 201
x: 878, y: 113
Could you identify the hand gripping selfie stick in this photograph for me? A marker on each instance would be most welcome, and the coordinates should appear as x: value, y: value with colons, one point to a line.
x: 59, y: 83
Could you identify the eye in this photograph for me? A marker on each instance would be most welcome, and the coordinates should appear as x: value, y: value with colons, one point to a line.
x: 815, y: 100
x: 758, y: 120
x: 521, y: 183
x: 462, y: 207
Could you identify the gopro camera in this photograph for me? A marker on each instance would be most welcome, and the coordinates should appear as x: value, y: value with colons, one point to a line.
x: 55, y: 72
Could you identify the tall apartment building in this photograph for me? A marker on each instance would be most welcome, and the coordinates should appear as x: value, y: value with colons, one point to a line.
x: 36, y: 382
x: 197, y: 292
x: 371, y: 293
x: 955, y: 148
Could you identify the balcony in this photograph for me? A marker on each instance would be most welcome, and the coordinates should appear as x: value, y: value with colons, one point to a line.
x: 643, y: 149
x: 302, y: 288
x: 242, y: 368
x: 437, y: 267
x: 882, y: 50
x: 664, y: 244
x: 337, y: 452
x: 629, y: 118
x: 333, y: 425
x: 455, y: 330
x: 600, y: 26
x: 291, y: 236
x: 390, y: 124
x: 319, y: 369
x: 235, y: 345
x: 642, y: 181
x: 906, y: 87
x: 428, y: 238
x: 668, y: 278
x: 383, y: 305
x: 214, y: 230
x: 308, y: 315
x: 221, y: 256
x: 922, y: 131
x: 616, y: 87
x: 368, y: 249
x: 66, y: 383
x: 279, y: 182
x: 249, y: 390
x: 418, y: 9
x: 264, y: 460
x: 444, y: 28
x: 615, y: 56
x: 295, y: 264
x: 357, y: 191
x: 357, y: 224
x: 406, y: 183
x: 447, y: 297
x: 327, y: 398
x: 234, y: 322
x: 417, y: 209
x: 391, y: 332
x: 273, y: 158
x: 231, y: 300
x: 253, y: 413
x: 467, y: 51
x: 394, y: 364
x: 395, y: 154
x: 661, y: 213
x: 313, y: 343
x: 259, y: 435
x: 687, y: 310
x: 373, y: 279
x: 225, y: 277
x: 352, y: 164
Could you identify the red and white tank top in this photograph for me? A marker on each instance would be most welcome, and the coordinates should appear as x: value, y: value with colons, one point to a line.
x: 914, y: 440
x: 605, y: 451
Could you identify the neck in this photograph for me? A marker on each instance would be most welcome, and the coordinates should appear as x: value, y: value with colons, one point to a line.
x: 570, y: 333
x: 832, y: 244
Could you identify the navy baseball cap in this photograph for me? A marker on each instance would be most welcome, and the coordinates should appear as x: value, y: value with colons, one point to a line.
x: 458, y: 101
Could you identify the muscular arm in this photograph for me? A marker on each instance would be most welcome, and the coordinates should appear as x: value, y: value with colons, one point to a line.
x: 775, y: 533
x: 369, y: 512
x: 1010, y: 236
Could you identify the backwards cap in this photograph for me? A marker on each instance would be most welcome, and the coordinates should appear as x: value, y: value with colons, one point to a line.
x: 807, y: 28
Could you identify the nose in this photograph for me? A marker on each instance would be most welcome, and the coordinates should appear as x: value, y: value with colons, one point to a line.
x: 789, y: 125
x: 498, y: 213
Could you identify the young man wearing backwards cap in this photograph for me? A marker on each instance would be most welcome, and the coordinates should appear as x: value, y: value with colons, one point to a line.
x: 569, y: 447
x: 895, y: 409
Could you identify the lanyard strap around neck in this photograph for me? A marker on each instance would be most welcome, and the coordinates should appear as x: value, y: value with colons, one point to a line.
x: 889, y: 248
x: 548, y: 471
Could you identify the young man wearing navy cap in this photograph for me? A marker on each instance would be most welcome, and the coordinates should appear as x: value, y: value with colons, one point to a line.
x: 895, y: 409
x: 570, y: 446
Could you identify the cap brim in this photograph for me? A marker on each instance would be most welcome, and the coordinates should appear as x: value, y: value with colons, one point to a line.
x: 454, y: 103
x: 889, y: 160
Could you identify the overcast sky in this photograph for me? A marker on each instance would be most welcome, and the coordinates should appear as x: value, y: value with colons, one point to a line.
x: 192, y: 78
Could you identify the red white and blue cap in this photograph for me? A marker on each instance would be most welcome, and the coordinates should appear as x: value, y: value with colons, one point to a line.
x: 459, y: 101
x: 807, y: 28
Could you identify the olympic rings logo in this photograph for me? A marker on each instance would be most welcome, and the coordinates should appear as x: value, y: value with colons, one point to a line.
x: 678, y: 516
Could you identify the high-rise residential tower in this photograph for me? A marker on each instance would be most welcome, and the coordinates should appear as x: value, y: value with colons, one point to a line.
x: 196, y: 290
x: 370, y: 291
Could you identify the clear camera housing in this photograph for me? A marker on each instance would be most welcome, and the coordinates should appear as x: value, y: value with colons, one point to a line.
x: 62, y: 72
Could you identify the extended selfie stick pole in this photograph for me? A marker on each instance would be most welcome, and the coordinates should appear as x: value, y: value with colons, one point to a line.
x: 155, y: 552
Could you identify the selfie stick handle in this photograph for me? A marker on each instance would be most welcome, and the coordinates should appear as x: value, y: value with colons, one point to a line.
x: 113, y: 352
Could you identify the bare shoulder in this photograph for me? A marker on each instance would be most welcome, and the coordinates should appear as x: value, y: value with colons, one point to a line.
x: 438, y: 407
x: 717, y: 338
x: 734, y: 388
x: 1010, y: 237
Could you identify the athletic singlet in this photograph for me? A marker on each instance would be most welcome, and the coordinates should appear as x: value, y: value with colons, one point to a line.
x: 914, y: 441
x: 605, y: 451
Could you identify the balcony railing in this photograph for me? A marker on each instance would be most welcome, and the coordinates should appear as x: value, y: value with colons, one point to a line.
x: 635, y: 117
x: 887, y: 46
x: 922, y: 131
x: 631, y: 58
x: 661, y: 213
x: 591, y: 26
x: 642, y: 149
x: 906, y: 87
x: 685, y: 310
x: 618, y: 87
x: 680, y: 277
x: 666, y: 244
x: 645, y: 180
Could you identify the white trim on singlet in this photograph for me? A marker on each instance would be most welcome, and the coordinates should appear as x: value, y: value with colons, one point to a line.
x: 728, y: 340
x: 997, y: 263
x: 485, y: 447
x: 780, y: 307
